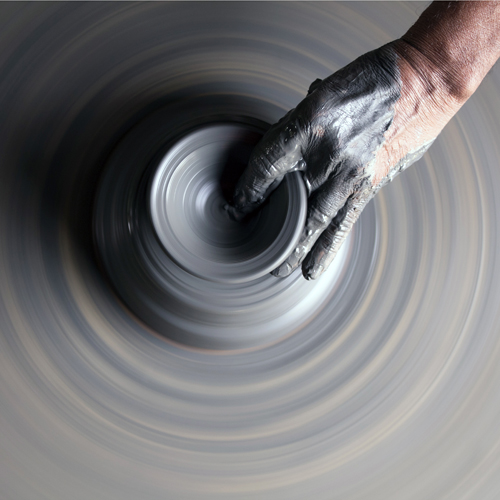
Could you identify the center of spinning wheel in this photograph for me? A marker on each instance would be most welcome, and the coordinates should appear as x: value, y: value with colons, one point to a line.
x: 190, y: 188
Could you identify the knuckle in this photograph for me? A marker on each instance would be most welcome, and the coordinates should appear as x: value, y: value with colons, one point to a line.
x: 261, y: 167
x: 318, y: 216
x: 268, y: 168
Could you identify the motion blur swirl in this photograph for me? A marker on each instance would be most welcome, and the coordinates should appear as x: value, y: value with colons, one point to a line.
x: 384, y: 383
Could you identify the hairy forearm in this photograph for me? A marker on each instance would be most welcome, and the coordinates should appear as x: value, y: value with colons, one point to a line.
x: 442, y: 60
x: 360, y: 127
x: 462, y: 41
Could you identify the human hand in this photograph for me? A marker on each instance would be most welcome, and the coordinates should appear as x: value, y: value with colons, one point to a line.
x: 357, y: 129
x: 338, y: 137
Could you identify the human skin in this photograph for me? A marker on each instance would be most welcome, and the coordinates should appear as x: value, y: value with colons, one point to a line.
x: 369, y: 121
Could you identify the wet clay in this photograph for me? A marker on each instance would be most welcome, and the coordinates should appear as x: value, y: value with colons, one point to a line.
x: 332, y: 137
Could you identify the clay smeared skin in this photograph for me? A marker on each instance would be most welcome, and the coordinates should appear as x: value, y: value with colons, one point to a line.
x: 332, y: 137
x: 369, y: 121
x: 327, y: 246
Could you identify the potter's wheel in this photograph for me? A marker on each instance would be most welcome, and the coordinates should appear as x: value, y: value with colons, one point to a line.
x: 170, y: 249
x: 380, y: 380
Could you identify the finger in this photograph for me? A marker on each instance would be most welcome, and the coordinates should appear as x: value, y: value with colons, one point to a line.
x: 323, y: 206
x: 328, y: 244
x: 279, y: 152
x: 314, y: 85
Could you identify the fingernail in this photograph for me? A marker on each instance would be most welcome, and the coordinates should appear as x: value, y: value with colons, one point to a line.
x: 313, y: 273
x: 283, y: 271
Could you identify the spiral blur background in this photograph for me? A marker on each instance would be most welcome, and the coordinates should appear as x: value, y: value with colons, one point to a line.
x: 381, y: 382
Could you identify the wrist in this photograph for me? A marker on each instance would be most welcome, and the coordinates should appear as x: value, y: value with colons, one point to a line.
x: 444, y: 82
x: 428, y: 92
x: 425, y: 105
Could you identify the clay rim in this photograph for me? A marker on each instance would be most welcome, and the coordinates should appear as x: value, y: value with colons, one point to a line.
x: 172, y: 241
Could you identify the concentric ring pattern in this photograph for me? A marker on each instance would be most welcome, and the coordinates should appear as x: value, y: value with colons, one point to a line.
x: 389, y: 389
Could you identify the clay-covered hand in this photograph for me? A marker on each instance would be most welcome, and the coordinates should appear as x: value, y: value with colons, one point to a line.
x: 352, y: 134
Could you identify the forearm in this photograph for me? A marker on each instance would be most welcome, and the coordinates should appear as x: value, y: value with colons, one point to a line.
x: 369, y: 121
x: 461, y: 40
x: 442, y: 60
